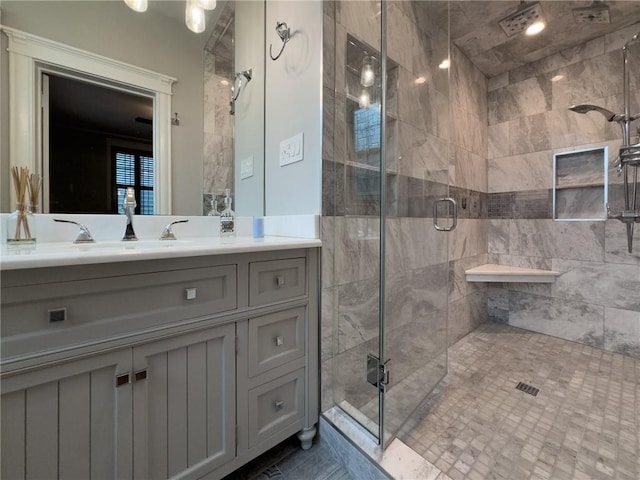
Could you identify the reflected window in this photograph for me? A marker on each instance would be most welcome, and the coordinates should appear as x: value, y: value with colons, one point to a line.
x: 367, y: 128
x: 134, y: 168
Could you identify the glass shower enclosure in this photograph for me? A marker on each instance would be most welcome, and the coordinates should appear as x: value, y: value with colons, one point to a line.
x: 386, y: 271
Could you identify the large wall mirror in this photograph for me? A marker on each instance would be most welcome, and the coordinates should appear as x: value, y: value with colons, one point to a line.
x: 193, y: 75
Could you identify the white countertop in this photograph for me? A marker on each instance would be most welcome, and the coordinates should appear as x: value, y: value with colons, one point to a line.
x: 506, y: 273
x: 57, y: 254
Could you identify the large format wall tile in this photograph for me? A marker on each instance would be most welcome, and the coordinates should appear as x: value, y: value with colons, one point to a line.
x: 611, y: 285
x: 357, y: 313
x: 498, y: 236
x: 520, y: 99
x: 568, y: 240
x: 577, y: 321
x: 531, y: 171
x: 468, y: 239
x: 498, y: 141
x: 468, y: 170
x: 615, y: 243
x: 357, y: 248
x: 458, y: 285
x: 622, y: 331
x: 588, y: 81
x: 466, y: 314
x: 529, y: 134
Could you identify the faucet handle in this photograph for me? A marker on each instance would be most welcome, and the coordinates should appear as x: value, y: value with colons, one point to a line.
x: 84, y: 235
x: 167, y: 233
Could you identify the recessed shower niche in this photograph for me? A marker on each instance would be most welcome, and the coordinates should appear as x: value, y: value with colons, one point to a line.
x: 580, y: 185
x: 363, y: 115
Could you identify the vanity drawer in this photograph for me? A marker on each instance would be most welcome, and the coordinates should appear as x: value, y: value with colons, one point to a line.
x: 275, y: 406
x: 276, y: 339
x: 50, y: 316
x: 276, y: 280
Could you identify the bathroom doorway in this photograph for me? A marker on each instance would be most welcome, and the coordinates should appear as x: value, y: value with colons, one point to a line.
x: 97, y: 140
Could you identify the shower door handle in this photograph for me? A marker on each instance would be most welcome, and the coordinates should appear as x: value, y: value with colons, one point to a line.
x: 454, y: 217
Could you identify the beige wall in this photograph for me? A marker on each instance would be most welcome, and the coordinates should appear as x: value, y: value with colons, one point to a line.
x: 149, y: 40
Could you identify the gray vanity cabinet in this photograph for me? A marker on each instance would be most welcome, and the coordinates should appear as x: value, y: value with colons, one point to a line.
x: 177, y: 368
x: 184, y: 397
x: 66, y: 421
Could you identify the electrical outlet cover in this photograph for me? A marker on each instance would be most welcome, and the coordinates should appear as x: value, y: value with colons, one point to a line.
x: 246, y: 168
x: 292, y: 150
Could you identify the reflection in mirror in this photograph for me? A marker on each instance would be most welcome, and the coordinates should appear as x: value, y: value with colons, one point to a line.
x: 234, y: 134
x: 155, y: 48
x: 100, y: 141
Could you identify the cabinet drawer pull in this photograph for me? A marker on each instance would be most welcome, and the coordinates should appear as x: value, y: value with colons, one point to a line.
x: 122, y: 379
x: 279, y: 405
x: 279, y: 341
x: 280, y: 280
x: 140, y: 375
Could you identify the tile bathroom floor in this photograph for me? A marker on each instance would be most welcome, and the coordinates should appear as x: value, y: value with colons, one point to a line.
x: 288, y: 461
x: 583, y: 424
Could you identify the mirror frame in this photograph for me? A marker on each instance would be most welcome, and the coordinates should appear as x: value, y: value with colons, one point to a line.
x: 26, y: 51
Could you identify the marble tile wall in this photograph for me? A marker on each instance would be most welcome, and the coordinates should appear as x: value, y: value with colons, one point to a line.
x: 595, y: 300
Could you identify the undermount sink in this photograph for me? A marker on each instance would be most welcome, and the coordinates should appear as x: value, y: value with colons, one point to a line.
x: 116, y: 245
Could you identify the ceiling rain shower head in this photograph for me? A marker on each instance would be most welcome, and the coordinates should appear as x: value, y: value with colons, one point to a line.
x: 527, y: 15
x: 597, y: 12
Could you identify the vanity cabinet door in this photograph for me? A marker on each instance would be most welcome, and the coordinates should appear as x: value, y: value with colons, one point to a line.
x: 69, y: 421
x: 184, y: 404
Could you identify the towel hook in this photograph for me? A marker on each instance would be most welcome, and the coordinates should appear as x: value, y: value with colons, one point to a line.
x: 284, y: 32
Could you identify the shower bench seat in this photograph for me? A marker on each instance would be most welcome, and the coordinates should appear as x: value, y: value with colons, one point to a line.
x: 491, y: 272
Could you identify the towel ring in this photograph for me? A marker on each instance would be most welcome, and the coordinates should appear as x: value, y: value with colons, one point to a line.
x: 284, y: 32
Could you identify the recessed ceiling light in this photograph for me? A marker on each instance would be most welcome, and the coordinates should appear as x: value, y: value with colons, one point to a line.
x: 444, y: 64
x: 535, y: 28
x: 224, y: 82
x: 557, y: 78
x: 420, y: 80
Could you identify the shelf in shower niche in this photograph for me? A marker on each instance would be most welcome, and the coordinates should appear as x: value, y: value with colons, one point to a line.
x: 505, y: 273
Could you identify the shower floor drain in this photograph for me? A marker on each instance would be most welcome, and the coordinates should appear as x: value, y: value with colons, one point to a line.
x: 523, y: 387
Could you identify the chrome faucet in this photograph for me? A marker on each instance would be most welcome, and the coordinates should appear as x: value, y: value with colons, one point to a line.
x: 84, y: 235
x: 129, y: 204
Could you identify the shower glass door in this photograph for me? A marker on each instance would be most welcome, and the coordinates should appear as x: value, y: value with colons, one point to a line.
x: 415, y: 265
x: 388, y: 297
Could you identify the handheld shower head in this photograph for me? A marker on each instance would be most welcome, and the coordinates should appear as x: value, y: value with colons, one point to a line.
x: 608, y: 114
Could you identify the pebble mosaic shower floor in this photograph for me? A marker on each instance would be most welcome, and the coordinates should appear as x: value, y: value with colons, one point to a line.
x: 584, y: 423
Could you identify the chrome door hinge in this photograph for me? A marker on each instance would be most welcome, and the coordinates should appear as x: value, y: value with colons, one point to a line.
x: 377, y: 373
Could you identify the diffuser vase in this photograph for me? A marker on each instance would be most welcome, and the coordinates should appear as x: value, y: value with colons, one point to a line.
x: 21, y: 226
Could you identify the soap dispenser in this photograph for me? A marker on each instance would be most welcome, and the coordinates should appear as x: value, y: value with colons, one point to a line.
x: 227, y: 217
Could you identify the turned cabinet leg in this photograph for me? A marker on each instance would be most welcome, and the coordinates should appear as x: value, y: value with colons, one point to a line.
x: 306, y: 437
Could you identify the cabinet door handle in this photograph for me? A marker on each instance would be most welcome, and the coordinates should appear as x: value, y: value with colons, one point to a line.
x: 140, y: 375
x: 279, y: 405
x: 280, y: 280
x: 279, y: 341
x: 122, y: 379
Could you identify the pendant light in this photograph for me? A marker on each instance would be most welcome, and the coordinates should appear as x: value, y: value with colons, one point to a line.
x: 194, y: 16
x: 367, y: 75
x: 207, y: 4
x: 137, y: 5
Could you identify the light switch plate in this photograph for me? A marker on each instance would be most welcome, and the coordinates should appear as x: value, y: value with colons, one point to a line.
x: 246, y: 168
x: 292, y: 150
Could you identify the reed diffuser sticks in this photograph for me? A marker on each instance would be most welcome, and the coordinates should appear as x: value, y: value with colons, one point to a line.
x: 24, y: 184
